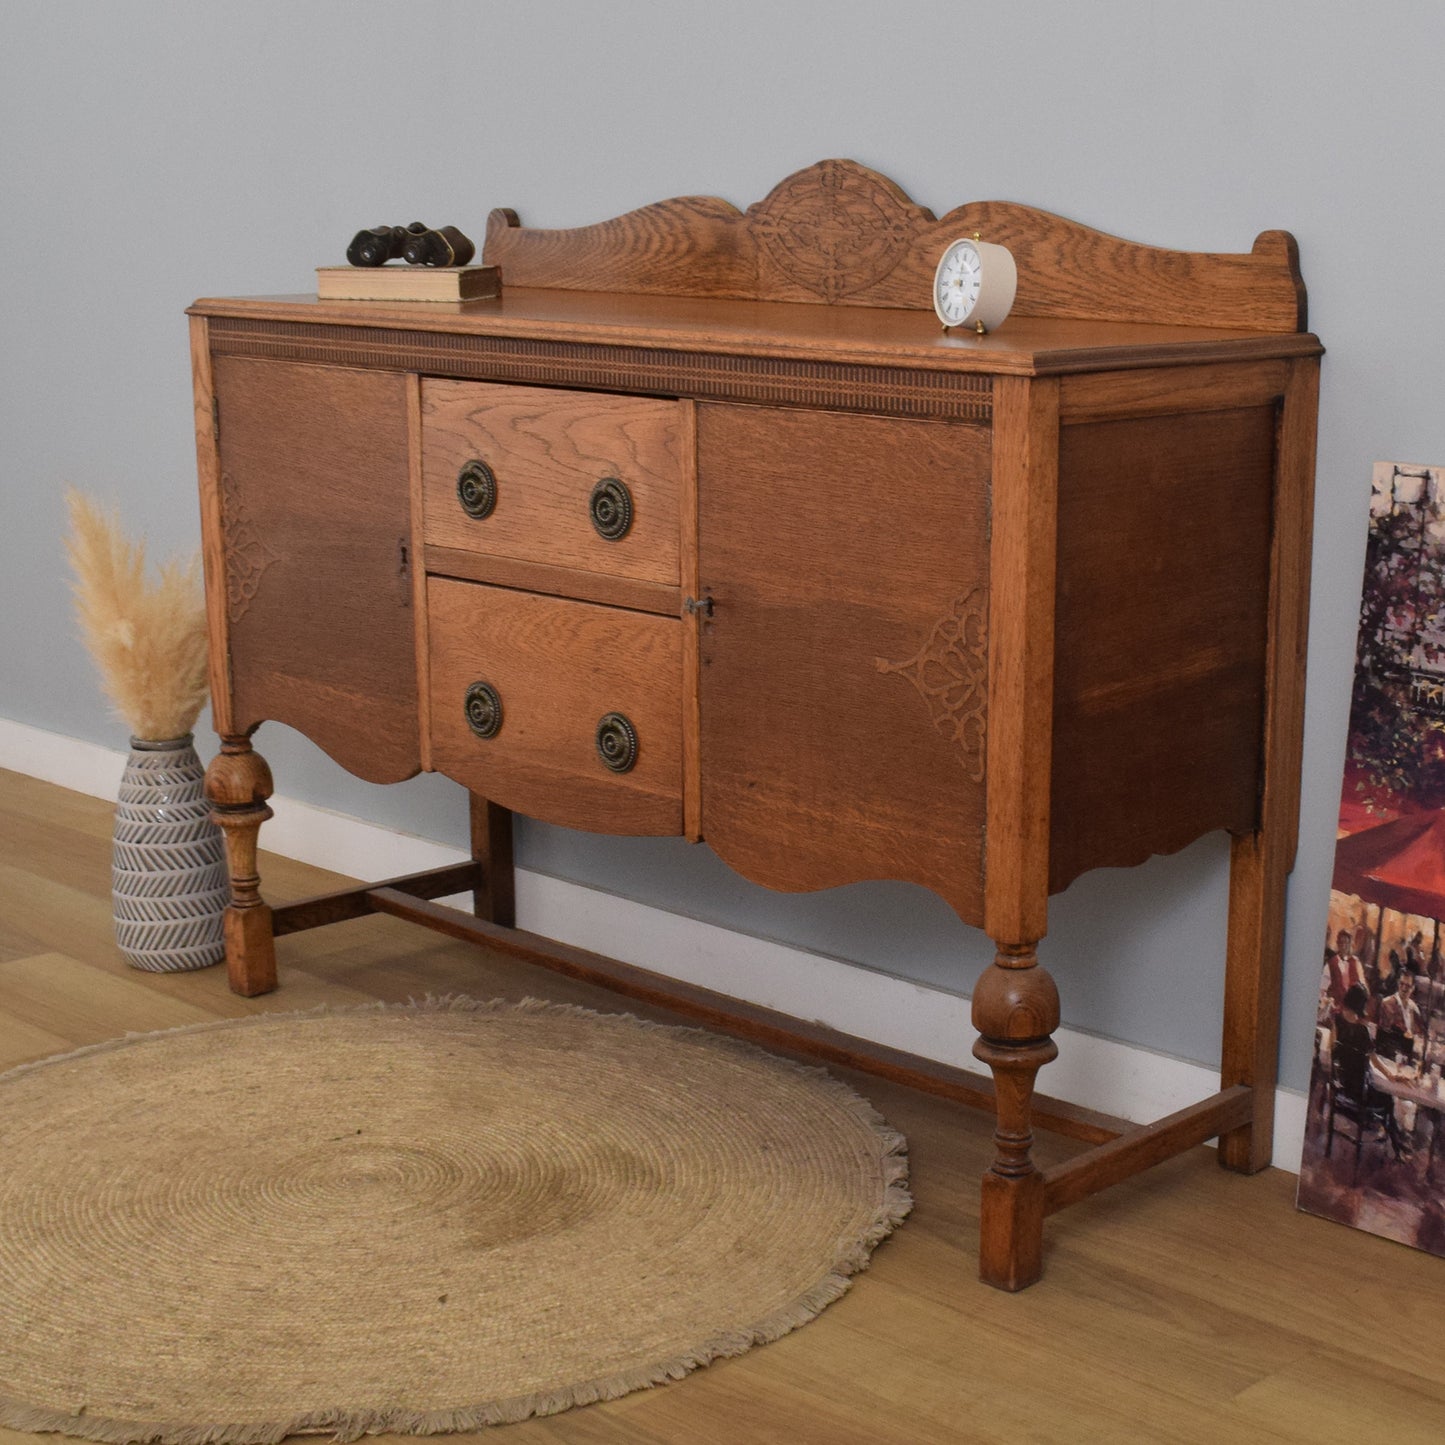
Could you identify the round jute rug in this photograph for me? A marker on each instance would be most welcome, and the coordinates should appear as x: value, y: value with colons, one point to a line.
x: 419, y: 1217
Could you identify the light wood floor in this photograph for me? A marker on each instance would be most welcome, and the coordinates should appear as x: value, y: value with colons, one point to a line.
x: 1188, y: 1305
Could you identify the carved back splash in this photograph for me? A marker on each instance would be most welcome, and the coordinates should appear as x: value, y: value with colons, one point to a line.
x: 838, y: 233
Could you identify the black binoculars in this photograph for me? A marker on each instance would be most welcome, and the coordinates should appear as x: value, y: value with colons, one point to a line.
x: 416, y: 244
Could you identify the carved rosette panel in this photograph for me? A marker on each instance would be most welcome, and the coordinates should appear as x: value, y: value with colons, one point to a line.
x: 834, y: 230
x: 248, y: 554
x: 950, y: 672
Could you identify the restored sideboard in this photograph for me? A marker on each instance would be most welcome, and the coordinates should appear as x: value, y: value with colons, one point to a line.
x: 704, y: 527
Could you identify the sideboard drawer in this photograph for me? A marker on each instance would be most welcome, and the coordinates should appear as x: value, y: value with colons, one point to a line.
x: 562, y: 710
x: 571, y: 479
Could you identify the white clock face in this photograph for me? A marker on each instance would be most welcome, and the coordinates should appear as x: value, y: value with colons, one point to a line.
x: 957, y: 283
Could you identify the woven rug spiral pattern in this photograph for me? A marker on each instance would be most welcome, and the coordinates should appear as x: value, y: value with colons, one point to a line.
x: 421, y: 1217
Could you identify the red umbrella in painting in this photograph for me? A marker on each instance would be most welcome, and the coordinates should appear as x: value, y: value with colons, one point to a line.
x: 1400, y: 865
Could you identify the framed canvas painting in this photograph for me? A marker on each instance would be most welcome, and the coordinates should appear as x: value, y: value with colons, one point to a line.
x: 1373, y: 1157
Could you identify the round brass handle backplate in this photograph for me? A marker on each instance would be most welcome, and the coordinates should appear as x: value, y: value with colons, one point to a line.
x: 477, y: 488
x: 611, y: 509
x: 484, y: 710
x: 617, y: 742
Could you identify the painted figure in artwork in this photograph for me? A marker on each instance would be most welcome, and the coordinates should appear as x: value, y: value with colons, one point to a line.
x: 1400, y: 1028
x: 1343, y: 969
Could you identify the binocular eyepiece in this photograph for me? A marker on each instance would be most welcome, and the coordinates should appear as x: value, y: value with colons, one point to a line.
x: 416, y: 244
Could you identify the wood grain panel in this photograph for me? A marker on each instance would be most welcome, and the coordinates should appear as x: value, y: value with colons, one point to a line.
x: 1163, y: 582
x: 1166, y: 391
x: 317, y: 531
x: 842, y: 234
x: 558, y: 667
x: 1260, y: 862
x: 417, y: 564
x: 843, y: 666
x: 548, y: 449
x: 601, y: 587
x: 1021, y: 656
x: 692, y: 622
x: 213, y: 540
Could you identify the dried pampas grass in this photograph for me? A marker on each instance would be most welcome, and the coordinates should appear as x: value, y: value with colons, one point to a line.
x: 148, y: 641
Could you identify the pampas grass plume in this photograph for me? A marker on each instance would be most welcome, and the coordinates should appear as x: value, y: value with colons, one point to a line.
x: 149, y: 641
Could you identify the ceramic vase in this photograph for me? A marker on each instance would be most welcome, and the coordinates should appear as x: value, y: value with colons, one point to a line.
x: 169, y: 886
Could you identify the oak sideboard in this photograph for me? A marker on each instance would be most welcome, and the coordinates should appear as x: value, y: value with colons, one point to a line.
x: 704, y: 527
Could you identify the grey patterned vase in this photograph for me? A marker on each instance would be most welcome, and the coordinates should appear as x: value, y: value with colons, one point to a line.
x: 169, y: 886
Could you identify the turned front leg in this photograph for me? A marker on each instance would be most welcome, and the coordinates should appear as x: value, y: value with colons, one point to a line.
x: 1015, y: 1010
x: 238, y: 782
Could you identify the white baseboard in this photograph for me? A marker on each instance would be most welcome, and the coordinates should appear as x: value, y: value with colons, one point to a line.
x: 1122, y: 1079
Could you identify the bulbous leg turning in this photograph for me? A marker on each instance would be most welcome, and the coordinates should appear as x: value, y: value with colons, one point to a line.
x: 238, y: 782
x: 1015, y: 1010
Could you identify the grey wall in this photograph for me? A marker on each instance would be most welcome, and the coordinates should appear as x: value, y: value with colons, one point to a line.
x: 154, y: 152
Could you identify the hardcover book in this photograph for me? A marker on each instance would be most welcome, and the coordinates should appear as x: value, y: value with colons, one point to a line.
x: 407, y: 283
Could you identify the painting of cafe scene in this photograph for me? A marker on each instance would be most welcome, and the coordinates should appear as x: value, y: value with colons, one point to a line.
x: 1373, y: 1155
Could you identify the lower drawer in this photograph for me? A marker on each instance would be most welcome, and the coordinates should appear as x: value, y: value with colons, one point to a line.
x: 565, y: 711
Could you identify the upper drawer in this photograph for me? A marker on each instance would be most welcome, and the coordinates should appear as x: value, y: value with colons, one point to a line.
x: 565, y: 478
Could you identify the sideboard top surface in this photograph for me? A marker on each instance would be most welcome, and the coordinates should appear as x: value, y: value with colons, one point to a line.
x: 1024, y: 345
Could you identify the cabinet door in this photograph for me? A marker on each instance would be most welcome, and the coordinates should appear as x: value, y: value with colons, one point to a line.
x: 844, y: 667
x: 315, y: 517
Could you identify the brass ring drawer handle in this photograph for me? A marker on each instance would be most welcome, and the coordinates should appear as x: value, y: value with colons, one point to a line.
x: 617, y: 742
x: 484, y: 710
x: 477, y: 489
x: 610, y: 507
